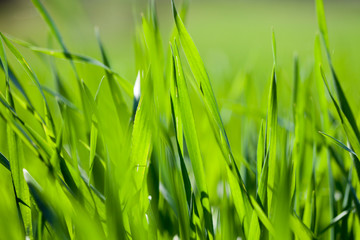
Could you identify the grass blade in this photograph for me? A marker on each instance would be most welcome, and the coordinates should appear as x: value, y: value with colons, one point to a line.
x: 48, y: 212
x: 4, y: 162
x: 271, y: 134
x: 192, y: 140
x: 198, y: 69
x: 339, y: 143
x: 73, y: 57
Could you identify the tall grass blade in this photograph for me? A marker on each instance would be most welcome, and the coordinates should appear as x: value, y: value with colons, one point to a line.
x: 192, y: 141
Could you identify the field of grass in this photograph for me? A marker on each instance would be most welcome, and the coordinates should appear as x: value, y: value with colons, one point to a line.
x: 190, y: 120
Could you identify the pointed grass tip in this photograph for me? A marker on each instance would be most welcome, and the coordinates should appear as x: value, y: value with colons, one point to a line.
x: 173, y: 8
x: 137, y: 91
x: 30, y: 180
x: 27, y: 176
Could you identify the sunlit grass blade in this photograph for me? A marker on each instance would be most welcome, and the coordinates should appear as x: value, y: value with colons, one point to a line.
x: 260, y: 153
x: 349, y: 130
x: 203, y: 84
x: 93, y: 142
x: 50, y: 127
x: 198, y: 69
x: 300, y: 229
x: 271, y: 135
x: 175, y: 108
x: 16, y: 155
x: 42, y: 149
x: 192, y: 140
x: 325, y: 124
x: 176, y: 122
x: 141, y: 142
x: 344, y: 104
x: 262, y: 216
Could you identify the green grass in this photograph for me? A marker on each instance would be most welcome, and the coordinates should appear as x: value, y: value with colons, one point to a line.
x: 171, y: 155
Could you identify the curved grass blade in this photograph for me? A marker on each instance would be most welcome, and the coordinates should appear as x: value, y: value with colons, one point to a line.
x: 325, y: 123
x: 192, y: 140
x: 53, y: 28
x: 49, y: 127
x: 15, y: 81
x: 349, y: 130
x: 336, y: 220
x: 204, y: 86
x: 339, y: 143
x: 9, y: 94
x: 198, y: 69
x: 16, y: 156
x: 78, y: 58
x: 23, y: 63
x: 46, y: 16
x: 22, y: 134
x: 41, y: 148
x: 344, y: 104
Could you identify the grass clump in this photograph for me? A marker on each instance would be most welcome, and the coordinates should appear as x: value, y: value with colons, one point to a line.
x: 117, y: 160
